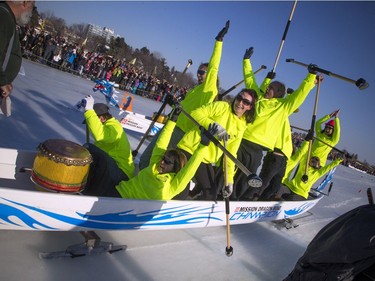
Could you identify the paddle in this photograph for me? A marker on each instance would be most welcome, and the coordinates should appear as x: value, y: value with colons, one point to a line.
x: 305, y: 177
x: 228, y: 248
x: 239, y: 83
x: 322, y: 141
x: 135, y: 152
x: 360, y: 83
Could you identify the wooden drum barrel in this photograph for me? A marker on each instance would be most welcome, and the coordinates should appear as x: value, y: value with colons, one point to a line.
x: 61, y: 166
x: 161, y: 119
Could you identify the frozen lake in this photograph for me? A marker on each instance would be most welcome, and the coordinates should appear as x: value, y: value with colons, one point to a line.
x: 42, y: 108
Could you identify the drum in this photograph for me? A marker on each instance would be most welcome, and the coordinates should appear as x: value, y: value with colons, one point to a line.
x: 161, y: 119
x: 61, y: 166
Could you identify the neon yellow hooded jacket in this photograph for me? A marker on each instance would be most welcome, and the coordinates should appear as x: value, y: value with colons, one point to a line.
x: 222, y: 113
x: 318, y: 148
x: 272, y: 113
x: 296, y: 184
x: 204, y: 93
x: 111, y: 138
x: 151, y: 185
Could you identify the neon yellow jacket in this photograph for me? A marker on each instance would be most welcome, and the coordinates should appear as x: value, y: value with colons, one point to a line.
x: 250, y: 82
x: 111, y: 138
x: 272, y: 113
x: 284, y: 142
x: 204, y: 93
x: 318, y: 148
x: 220, y: 112
x: 296, y: 184
x: 151, y: 185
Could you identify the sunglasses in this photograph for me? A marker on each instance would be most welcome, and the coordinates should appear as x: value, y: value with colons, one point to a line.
x: 201, y: 72
x: 167, y: 161
x: 240, y: 98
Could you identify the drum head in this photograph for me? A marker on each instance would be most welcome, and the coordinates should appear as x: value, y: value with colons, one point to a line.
x: 64, y: 151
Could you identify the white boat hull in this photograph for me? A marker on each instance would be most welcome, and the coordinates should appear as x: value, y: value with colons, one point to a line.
x: 22, y: 207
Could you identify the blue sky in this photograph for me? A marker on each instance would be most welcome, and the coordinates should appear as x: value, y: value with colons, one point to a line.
x: 337, y: 36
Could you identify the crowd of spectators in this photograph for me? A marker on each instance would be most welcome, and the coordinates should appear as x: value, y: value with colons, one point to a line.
x: 57, y: 52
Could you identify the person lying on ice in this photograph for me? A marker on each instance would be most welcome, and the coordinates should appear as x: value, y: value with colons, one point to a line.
x: 169, y: 171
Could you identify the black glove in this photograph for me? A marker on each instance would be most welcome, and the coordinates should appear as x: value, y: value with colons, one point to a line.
x: 170, y: 100
x: 173, y: 115
x: 312, y: 68
x: 289, y: 91
x: 248, y: 53
x: 222, y: 32
x: 271, y: 75
x: 207, y: 135
x: 309, y: 136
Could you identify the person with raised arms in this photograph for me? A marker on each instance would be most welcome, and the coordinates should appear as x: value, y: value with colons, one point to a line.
x: 204, y: 93
x: 271, y: 123
x: 299, y: 190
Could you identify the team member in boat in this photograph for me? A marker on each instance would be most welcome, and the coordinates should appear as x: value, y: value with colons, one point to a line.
x: 232, y: 120
x: 272, y: 111
x: 330, y: 136
x: 299, y: 189
x: 204, y: 93
x: 169, y: 171
x: 111, y: 151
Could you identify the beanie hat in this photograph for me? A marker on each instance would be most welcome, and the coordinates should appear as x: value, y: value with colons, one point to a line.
x: 101, y: 108
x: 331, y: 123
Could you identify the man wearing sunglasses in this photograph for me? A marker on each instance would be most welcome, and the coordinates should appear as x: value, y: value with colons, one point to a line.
x: 204, y: 93
x: 270, y: 131
x: 12, y: 13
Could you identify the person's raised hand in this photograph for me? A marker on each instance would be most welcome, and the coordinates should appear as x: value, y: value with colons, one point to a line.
x: 248, y: 53
x: 221, y: 34
x: 89, y: 102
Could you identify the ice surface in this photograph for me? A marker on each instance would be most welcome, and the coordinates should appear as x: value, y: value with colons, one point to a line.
x: 42, y: 108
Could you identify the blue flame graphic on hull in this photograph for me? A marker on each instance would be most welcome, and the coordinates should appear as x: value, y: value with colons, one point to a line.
x: 124, y: 220
x: 298, y: 210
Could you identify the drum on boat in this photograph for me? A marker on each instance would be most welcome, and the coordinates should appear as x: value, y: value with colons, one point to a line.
x: 161, y: 119
x: 61, y: 166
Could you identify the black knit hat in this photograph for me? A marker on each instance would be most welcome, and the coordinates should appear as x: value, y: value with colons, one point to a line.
x: 101, y: 108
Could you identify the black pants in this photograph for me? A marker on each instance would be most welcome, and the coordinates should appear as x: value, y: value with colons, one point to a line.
x: 205, y: 182
x: 272, y: 173
x: 250, y: 154
x: 104, y: 174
